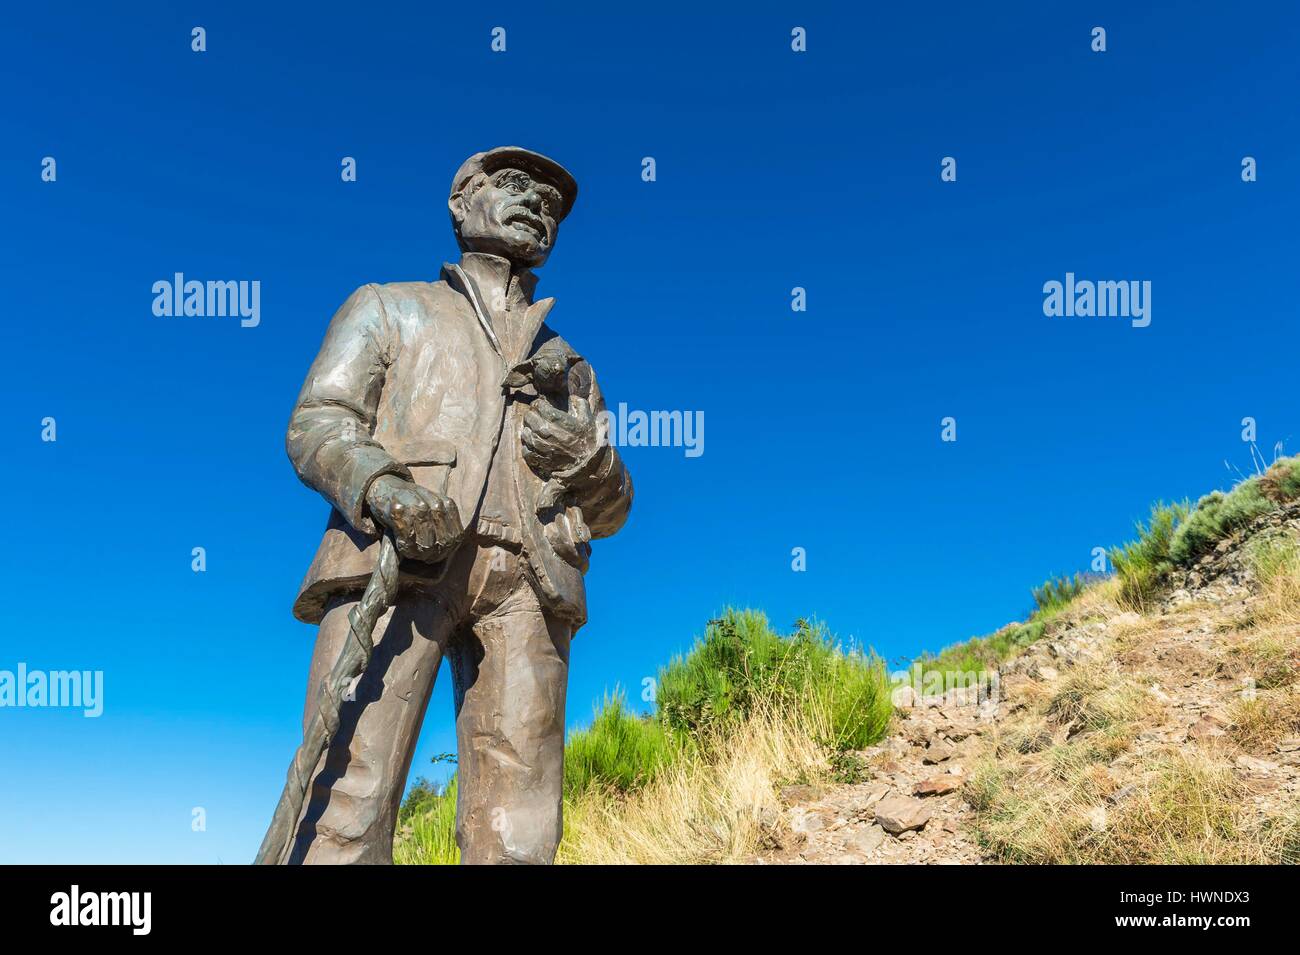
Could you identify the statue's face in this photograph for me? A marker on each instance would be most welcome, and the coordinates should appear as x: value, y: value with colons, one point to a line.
x: 511, y: 215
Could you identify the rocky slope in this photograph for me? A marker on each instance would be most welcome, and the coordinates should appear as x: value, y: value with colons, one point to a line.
x: 1169, y: 736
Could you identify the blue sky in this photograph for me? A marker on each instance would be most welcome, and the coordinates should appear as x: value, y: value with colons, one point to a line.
x: 774, y: 170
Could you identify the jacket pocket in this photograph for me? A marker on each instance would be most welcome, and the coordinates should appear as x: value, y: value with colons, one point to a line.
x: 430, y: 460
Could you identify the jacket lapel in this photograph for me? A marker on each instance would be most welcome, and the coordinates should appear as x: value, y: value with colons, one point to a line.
x: 531, y: 324
x: 533, y: 319
x: 462, y: 283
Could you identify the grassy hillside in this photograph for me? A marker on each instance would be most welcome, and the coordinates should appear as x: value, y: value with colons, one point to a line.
x: 1171, y: 733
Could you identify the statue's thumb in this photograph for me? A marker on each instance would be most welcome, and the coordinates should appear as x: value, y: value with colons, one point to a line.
x: 580, y: 408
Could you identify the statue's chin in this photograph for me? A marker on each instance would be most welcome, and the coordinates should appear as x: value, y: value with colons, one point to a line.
x: 520, y: 253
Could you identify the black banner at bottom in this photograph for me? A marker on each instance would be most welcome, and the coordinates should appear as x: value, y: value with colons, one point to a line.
x: 310, y: 906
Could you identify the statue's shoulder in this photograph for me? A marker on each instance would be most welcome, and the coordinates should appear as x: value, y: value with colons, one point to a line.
x: 435, y: 287
x: 414, y: 297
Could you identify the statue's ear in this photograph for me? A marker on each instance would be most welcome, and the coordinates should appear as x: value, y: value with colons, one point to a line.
x: 456, y: 205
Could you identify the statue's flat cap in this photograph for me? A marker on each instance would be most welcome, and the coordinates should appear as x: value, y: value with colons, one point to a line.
x: 540, y: 167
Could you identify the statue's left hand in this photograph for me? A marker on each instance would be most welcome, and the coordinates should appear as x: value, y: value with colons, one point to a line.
x: 555, y: 441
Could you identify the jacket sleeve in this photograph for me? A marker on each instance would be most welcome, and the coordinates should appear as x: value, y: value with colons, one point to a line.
x: 330, y: 438
x: 601, y: 485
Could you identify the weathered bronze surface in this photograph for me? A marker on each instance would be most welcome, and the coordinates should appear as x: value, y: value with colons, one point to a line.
x: 448, y: 420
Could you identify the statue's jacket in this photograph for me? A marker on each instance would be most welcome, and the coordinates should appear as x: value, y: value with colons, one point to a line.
x: 410, y: 381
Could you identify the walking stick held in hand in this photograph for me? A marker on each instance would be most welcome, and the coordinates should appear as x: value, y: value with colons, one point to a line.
x: 353, y: 659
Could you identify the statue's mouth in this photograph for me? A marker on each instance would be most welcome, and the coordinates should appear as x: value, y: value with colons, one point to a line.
x: 523, y: 220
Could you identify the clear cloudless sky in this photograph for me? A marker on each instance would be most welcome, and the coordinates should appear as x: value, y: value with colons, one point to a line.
x: 775, y: 169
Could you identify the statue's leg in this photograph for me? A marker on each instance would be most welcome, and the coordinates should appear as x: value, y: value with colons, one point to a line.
x: 511, y: 672
x: 351, y: 809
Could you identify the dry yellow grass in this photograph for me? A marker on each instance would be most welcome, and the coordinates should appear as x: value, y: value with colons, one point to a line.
x: 1100, y: 601
x: 1100, y: 697
x: 1268, y: 649
x: 1183, y: 807
x: 717, y: 808
x: 1062, y: 782
x: 1190, y: 809
x: 1261, y: 721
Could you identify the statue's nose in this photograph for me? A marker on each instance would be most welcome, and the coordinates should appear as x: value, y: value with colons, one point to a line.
x: 532, y: 200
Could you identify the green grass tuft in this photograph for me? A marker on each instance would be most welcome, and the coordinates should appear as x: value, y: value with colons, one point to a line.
x: 1054, y: 595
x: 426, y: 826
x: 1144, y: 564
x: 982, y: 654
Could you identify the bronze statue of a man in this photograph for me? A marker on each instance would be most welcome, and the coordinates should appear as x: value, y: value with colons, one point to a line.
x: 449, y: 416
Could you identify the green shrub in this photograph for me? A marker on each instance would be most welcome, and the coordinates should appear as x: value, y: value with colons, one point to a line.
x: 619, y: 750
x: 1281, y: 482
x: 1215, y: 517
x: 1055, y: 594
x: 1143, y: 564
x: 420, y: 797
x: 741, y: 662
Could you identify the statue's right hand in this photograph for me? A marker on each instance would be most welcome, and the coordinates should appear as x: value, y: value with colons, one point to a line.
x: 426, y: 524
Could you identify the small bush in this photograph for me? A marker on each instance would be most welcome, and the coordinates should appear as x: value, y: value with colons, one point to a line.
x: 618, y: 751
x: 1215, y: 517
x: 847, y: 766
x: 421, y: 797
x: 741, y: 662
x: 1054, y: 595
x: 1281, y: 482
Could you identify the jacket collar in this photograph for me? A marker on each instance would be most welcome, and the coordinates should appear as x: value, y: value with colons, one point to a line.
x: 496, y: 284
x: 478, y: 276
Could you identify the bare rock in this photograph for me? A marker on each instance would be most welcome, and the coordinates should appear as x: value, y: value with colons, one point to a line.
x: 1206, y: 728
x: 809, y: 822
x: 899, y: 814
x: 793, y: 795
x: 938, y: 785
x: 938, y: 751
x: 866, y: 840
x: 874, y: 793
x: 1255, y: 766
